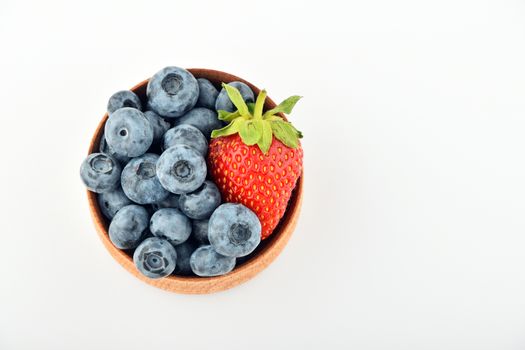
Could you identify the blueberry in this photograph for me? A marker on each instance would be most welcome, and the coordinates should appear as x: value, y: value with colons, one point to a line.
x: 105, y: 148
x: 128, y: 132
x: 113, y: 201
x: 207, y: 94
x: 184, y: 252
x: 200, y: 203
x: 172, y: 92
x: 234, y: 230
x: 155, y: 258
x: 139, y: 180
x: 203, y: 119
x: 170, y: 224
x: 128, y: 225
x: 205, y: 262
x: 124, y: 98
x: 100, y: 172
x: 159, y: 125
x: 186, y: 135
x: 181, y: 169
x: 199, y: 231
x: 223, y: 101
x: 172, y: 201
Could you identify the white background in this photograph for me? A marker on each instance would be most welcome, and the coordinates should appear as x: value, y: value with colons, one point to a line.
x: 412, y: 234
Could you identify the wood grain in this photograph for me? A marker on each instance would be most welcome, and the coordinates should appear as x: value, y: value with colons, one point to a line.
x: 267, y: 251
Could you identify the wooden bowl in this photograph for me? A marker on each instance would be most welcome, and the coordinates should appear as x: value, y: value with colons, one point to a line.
x: 265, y: 253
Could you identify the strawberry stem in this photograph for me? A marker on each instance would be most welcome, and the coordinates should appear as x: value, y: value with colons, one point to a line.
x: 253, y: 126
x: 259, y: 105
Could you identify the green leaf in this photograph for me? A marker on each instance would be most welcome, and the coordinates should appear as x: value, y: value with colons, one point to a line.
x: 285, y: 107
x: 285, y: 133
x: 265, y: 141
x: 250, y: 131
x: 299, y: 134
x: 222, y: 114
x: 227, y: 116
x: 236, y: 98
x: 272, y: 118
x: 251, y: 107
x: 259, y: 104
x: 229, y: 129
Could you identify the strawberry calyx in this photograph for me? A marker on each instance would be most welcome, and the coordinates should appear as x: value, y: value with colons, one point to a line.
x: 256, y: 127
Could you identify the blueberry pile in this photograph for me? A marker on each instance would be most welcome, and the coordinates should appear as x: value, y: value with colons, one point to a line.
x: 152, y: 183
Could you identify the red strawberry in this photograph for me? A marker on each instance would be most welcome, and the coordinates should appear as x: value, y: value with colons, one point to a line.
x: 257, y: 159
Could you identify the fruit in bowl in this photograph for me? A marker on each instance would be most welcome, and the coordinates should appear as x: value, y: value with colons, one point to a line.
x: 222, y: 187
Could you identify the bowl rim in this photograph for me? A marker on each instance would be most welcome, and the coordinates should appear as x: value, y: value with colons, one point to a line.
x: 194, y: 284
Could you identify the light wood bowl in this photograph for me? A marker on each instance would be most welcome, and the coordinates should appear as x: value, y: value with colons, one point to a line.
x: 267, y: 251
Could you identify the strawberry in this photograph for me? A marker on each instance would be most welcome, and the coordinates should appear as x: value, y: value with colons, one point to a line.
x: 257, y: 158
